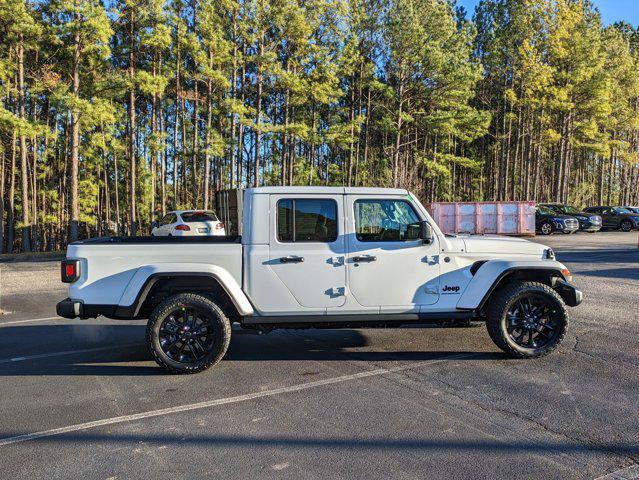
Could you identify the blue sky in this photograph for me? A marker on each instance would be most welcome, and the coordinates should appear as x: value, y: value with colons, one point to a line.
x: 611, y: 10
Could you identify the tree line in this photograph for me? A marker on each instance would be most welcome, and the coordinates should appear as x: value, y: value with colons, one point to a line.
x: 114, y: 112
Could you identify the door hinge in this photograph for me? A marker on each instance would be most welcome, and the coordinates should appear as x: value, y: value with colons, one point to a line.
x: 336, y: 291
x: 431, y: 259
x: 336, y: 261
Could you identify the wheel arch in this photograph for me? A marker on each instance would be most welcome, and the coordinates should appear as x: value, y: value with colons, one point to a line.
x: 150, y: 286
x: 493, y: 274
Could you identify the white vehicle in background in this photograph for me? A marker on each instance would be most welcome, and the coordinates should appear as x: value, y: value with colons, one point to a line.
x: 186, y: 223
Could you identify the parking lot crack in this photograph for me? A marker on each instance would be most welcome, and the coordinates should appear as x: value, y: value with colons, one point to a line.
x: 587, y: 444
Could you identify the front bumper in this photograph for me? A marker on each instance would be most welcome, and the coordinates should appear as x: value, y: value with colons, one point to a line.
x: 571, y: 295
x: 589, y: 226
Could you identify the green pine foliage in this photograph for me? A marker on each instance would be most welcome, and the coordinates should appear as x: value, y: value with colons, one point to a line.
x: 115, y: 112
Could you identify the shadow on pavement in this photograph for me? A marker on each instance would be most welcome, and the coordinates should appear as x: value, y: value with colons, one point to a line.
x: 613, y: 255
x: 324, y: 345
x: 624, y: 273
x: 350, y: 444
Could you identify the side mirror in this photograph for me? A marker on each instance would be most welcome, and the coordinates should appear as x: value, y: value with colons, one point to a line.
x: 425, y: 232
x: 154, y: 224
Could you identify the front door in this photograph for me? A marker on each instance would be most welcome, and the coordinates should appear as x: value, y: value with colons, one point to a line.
x: 388, y: 265
x: 307, y: 248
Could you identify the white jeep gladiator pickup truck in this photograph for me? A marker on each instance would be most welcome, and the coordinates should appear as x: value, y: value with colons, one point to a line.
x: 319, y: 257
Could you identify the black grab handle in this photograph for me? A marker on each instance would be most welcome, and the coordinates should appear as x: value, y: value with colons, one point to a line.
x: 291, y: 259
x: 364, y: 258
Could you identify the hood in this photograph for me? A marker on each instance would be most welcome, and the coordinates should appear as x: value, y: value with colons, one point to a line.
x: 498, y: 244
x: 560, y: 216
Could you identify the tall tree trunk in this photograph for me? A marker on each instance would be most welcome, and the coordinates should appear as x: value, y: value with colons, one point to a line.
x: 132, y: 129
x: 12, y: 193
x: 26, y: 231
x: 233, y: 92
x: 207, y: 146
x: 75, y: 134
x: 176, y: 123
x: 258, y: 117
x: 398, y: 134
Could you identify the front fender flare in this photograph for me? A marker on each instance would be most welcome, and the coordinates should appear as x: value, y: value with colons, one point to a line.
x: 145, y: 277
x: 492, y: 272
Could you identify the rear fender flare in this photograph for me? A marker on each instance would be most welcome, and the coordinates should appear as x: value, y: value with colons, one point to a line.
x: 146, y: 276
x: 491, y: 273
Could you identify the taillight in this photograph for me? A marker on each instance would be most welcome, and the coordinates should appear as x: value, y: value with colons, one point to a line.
x: 70, y: 270
x: 183, y: 228
x: 219, y: 226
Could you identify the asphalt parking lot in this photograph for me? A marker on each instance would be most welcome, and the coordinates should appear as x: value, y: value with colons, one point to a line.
x: 83, y: 399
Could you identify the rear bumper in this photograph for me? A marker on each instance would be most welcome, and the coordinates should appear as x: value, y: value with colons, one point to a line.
x: 69, y: 308
x: 571, y: 295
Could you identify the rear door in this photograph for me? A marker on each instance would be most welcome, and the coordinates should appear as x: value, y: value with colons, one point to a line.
x: 166, y: 224
x: 387, y: 264
x: 608, y: 219
x: 307, y: 248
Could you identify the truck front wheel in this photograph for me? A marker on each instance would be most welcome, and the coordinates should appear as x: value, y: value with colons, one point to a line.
x: 188, y: 333
x: 527, y: 319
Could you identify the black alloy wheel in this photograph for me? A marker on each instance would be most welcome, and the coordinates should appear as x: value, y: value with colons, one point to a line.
x: 527, y: 319
x: 533, y: 321
x: 187, y: 335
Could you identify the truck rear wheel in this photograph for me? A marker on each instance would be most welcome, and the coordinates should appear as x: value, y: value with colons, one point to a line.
x: 188, y: 333
x: 527, y: 319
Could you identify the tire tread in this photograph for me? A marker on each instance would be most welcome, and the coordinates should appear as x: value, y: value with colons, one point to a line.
x: 495, y: 312
x: 158, y: 315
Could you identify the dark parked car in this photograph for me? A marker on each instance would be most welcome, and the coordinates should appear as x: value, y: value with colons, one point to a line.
x: 587, y: 221
x: 548, y: 221
x: 618, y: 218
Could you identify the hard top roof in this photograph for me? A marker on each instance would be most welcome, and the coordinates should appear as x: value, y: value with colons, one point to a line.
x: 327, y: 190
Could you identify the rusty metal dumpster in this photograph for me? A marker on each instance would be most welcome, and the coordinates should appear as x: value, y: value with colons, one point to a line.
x: 501, y: 218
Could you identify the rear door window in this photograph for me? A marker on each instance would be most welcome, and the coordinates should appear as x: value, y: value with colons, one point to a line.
x: 168, y: 219
x: 306, y: 220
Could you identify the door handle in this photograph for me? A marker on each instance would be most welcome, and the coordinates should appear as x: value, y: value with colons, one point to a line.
x: 364, y: 258
x: 291, y: 259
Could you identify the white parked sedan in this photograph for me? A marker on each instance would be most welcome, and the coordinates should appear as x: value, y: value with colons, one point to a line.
x: 184, y: 223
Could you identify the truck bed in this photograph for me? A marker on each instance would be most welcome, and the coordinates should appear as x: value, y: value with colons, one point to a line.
x: 110, y: 266
x: 154, y: 240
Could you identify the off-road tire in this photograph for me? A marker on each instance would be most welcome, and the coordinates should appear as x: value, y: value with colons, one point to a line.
x: 626, y: 226
x: 222, y: 332
x: 547, y: 231
x: 503, y: 299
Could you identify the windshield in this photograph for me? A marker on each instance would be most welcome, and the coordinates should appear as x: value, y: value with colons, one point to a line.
x: 545, y: 210
x: 199, y: 217
x: 570, y: 210
x: 621, y: 210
